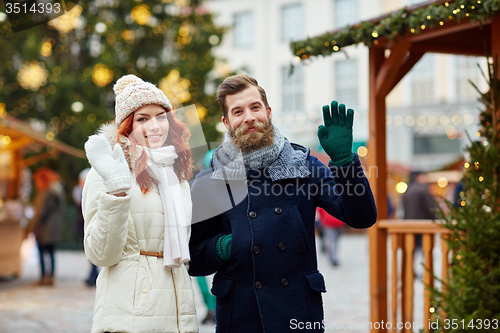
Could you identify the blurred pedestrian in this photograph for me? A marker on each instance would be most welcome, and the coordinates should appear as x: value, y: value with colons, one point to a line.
x: 418, y: 202
x: 137, y: 210
x: 79, y: 223
x: 48, y: 219
x: 332, y: 229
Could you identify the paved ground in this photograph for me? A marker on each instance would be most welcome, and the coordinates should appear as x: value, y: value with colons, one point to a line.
x: 67, y: 307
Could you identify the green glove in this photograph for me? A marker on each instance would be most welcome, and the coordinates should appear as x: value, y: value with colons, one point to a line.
x: 336, y: 136
x: 223, y: 246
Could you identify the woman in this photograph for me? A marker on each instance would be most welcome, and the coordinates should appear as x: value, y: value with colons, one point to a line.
x: 47, y: 223
x: 137, y: 210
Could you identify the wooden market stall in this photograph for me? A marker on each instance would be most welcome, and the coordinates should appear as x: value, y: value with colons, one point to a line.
x: 17, y: 138
x: 397, y: 41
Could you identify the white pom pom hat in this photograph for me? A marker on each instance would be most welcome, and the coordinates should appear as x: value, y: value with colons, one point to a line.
x: 132, y: 93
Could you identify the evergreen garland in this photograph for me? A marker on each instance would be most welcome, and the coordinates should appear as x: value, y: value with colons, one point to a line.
x: 471, y: 295
x: 400, y: 23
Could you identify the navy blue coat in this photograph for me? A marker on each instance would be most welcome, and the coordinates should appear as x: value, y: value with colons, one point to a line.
x: 272, y: 282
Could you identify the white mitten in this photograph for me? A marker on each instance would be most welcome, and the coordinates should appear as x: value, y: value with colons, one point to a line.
x: 109, y: 164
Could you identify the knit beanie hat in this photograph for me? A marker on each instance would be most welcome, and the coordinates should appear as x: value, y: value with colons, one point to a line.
x: 132, y: 93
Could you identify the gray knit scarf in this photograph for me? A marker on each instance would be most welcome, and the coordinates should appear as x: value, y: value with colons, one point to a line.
x: 282, y: 159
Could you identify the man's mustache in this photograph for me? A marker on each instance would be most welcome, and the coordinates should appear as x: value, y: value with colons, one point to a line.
x: 243, y: 129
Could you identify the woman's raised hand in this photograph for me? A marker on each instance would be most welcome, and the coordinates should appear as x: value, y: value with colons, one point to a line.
x: 109, y: 164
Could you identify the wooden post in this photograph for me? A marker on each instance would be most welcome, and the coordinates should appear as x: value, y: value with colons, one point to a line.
x: 427, y: 246
x: 377, y: 174
x: 495, y: 33
x: 14, y: 175
x: 395, y: 244
x: 495, y: 52
x: 409, y: 249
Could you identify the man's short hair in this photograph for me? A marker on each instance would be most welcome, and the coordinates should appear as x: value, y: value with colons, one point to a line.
x: 233, y: 85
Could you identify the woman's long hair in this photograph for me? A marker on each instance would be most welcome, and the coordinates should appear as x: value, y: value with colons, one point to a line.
x: 178, y: 136
x: 44, y: 177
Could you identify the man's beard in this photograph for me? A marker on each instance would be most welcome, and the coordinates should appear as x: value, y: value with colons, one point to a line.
x: 263, y: 136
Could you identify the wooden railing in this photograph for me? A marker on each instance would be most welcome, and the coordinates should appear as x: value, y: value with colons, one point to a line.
x: 402, y: 236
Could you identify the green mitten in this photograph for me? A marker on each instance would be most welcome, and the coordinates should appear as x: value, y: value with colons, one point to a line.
x: 223, y: 246
x: 336, y: 135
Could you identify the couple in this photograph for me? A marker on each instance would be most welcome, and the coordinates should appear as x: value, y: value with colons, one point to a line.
x: 150, y: 232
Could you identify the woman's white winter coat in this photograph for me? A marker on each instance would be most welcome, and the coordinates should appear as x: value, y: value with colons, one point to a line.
x: 135, y: 293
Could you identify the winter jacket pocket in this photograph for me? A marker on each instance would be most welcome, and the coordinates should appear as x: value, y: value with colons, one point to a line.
x: 142, y: 289
x: 316, y: 282
x: 315, y: 285
x: 222, y: 289
x: 221, y: 286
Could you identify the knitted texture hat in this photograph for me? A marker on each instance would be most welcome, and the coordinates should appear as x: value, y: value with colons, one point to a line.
x: 132, y: 93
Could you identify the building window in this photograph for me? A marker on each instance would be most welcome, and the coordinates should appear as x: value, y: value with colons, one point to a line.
x: 422, y: 81
x: 466, y: 69
x: 243, y: 29
x: 346, y: 82
x: 292, y: 22
x: 293, y: 89
x: 434, y: 144
x: 346, y: 12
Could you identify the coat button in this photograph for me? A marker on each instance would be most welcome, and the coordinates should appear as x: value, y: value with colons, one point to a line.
x: 256, y: 249
x: 144, y: 290
x: 284, y: 282
x: 252, y: 214
x: 278, y: 210
x: 258, y: 285
x: 281, y: 246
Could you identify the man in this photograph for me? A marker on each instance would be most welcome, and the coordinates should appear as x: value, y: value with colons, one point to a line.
x: 254, y: 210
x: 418, y: 203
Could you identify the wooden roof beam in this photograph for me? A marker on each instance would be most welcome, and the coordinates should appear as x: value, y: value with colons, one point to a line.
x: 411, y: 60
x: 390, y: 68
x: 445, y: 30
x: 18, y: 144
x: 452, y: 49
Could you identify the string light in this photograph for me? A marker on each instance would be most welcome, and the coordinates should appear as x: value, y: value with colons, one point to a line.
x: 412, y: 30
x: 375, y: 34
x: 176, y: 88
x: 140, y: 14
x: 102, y: 75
